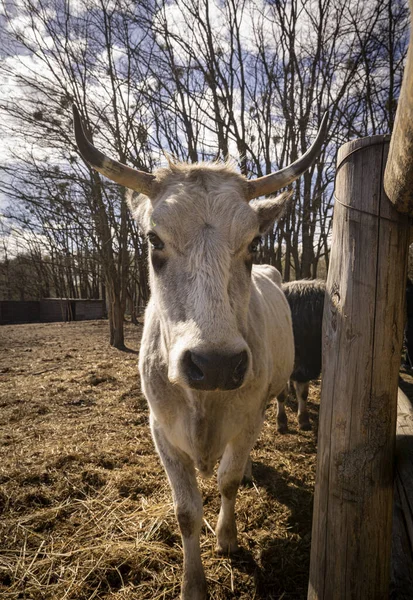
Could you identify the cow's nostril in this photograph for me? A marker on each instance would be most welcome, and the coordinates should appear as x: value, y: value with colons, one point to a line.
x: 192, y: 370
x: 240, y: 368
x: 214, y: 371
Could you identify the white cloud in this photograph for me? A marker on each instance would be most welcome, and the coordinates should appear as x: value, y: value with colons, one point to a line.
x: 15, y: 240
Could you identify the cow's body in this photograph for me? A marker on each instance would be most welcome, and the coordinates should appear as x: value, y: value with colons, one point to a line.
x: 306, y: 300
x: 218, y: 338
x: 207, y: 297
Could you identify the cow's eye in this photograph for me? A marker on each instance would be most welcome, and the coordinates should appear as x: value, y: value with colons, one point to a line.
x: 255, y: 245
x: 155, y: 241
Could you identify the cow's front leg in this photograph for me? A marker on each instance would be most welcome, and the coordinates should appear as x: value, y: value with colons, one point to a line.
x: 188, y: 510
x: 282, y: 422
x: 301, y: 390
x: 230, y: 473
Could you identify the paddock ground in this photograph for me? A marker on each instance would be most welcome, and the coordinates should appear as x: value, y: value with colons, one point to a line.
x: 85, y: 507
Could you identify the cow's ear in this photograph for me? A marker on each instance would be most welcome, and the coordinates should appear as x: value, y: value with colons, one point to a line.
x: 270, y: 210
x: 140, y: 207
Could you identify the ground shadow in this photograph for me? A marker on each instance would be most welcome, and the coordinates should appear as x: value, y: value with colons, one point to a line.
x: 282, y: 570
x: 287, y: 490
x: 283, y: 565
x: 128, y: 350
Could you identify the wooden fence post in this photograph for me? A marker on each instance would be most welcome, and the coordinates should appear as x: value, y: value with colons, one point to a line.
x: 398, y: 177
x: 362, y: 339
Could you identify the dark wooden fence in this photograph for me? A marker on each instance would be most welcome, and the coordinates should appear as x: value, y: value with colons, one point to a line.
x: 12, y: 311
x: 50, y: 310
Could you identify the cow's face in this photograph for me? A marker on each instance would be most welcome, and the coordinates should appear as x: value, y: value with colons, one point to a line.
x: 203, y: 236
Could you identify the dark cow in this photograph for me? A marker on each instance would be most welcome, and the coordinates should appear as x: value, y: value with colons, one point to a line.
x: 306, y: 300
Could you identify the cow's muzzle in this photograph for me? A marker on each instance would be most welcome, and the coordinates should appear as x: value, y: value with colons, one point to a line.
x: 214, y: 371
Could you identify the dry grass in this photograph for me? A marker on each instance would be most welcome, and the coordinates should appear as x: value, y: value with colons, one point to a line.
x: 86, y: 509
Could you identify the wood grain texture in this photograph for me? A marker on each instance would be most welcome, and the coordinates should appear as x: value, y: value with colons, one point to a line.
x: 362, y: 338
x: 398, y: 178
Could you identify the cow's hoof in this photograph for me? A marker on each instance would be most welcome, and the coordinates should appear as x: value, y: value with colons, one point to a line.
x: 282, y: 427
x: 194, y: 590
x: 226, y: 549
x: 305, y: 425
x: 246, y: 481
x: 226, y: 532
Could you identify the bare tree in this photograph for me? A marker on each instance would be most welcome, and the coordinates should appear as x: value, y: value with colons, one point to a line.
x: 77, y: 50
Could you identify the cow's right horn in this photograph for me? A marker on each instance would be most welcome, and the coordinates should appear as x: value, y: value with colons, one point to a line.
x: 268, y: 184
x: 131, y: 178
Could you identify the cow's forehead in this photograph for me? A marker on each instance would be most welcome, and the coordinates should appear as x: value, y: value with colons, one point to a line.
x: 183, y: 214
x: 209, y: 199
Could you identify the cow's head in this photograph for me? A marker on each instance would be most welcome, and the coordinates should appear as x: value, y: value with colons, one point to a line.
x: 203, y: 228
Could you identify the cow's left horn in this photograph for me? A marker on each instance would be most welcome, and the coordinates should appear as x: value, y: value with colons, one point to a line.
x: 130, y: 178
x: 275, y: 181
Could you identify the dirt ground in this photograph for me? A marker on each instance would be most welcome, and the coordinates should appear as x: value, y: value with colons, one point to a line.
x: 85, y: 506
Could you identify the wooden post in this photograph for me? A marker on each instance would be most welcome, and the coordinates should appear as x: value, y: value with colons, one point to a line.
x: 363, y: 333
x: 398, y: 178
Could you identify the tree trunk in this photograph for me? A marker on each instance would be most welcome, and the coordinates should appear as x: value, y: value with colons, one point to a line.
x: 116, y: 312
x: 114, y: 281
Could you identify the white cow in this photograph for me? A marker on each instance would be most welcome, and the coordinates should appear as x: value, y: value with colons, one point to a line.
x: 217, y: 340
